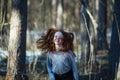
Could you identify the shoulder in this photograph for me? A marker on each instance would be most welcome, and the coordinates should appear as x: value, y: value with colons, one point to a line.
x: 71, y: 53
x: 49, y: 53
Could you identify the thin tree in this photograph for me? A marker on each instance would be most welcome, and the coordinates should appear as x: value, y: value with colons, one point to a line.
x: 77, y: 14
x: 114, y: 52
x: 59, y: 22
x: 54, y: 4
x: 85, y: 45
x: 17, y: 41
x: 4, y: 24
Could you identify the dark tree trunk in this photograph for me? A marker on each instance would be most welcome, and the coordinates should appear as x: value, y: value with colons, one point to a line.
x: 114, y: 52
x: 102, y: 25
x: 17, y: 41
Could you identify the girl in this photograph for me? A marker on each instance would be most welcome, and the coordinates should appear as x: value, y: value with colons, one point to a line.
x: 58, y: 45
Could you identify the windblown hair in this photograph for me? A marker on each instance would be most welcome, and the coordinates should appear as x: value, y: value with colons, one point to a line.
x: 46, y: 43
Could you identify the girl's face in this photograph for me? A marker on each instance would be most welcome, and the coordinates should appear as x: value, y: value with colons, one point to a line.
x: 58, y: 38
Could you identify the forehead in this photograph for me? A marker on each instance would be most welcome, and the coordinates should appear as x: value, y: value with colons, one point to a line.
x: 59, y: 34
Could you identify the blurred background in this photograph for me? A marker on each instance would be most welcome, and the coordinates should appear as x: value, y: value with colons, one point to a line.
x: 90, y: 21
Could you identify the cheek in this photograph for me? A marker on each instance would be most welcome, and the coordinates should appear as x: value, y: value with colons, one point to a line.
x: 61, y: 41
x: 53, y: 39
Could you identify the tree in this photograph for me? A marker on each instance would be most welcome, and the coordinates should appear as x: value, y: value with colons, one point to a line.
x: 102, y: 25
x: 59, y: 23
x: 114, y: 52
x: 118, y: 73
x: 54, y: 13
x: 85, y: 45
x: 17, y: 41
x: 77, y: 14
x: 4, y: 24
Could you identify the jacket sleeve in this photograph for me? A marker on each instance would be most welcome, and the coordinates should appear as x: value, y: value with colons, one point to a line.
x: 74, y: 67
x: 49, y: 66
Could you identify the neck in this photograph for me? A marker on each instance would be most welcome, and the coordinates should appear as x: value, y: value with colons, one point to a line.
x: 58, y: 47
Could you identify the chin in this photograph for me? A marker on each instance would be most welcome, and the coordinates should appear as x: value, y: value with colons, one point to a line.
x: 57, y: 44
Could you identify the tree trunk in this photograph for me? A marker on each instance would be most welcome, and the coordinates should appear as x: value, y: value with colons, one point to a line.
x: 43, y: 12
x: 85, y: 45
x: 77, y: 14
x: 17, y: 41
x: 4, y: 24
x: 118, y: 73
x: 102, y: 25
x: 54, y: 3
x: 60, y: 14
x: 114, y: 52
